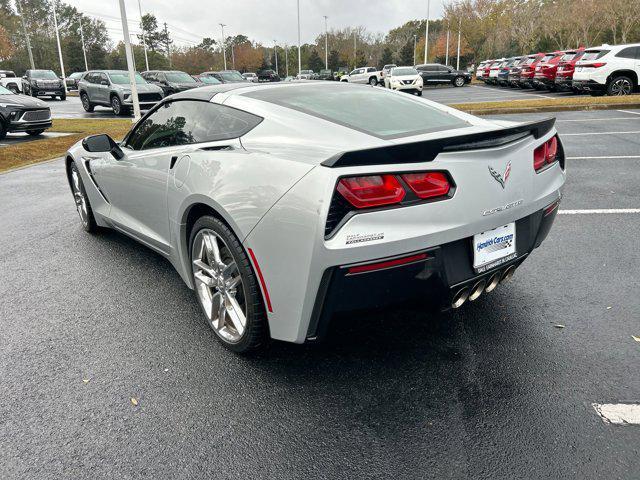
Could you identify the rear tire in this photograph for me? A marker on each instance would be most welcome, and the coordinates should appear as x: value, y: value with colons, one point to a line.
x: 14, y: 89
x: 234, y: 263
x: 63, y: 97
x: 83, y: 206
x: 620, y: 86
x: 35, y: 133
x: 419, y: 93
x: 86, y: 103
x: 3, y: 130
x: 373, y: 81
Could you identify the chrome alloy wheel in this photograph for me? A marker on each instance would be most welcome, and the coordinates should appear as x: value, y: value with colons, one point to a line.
x: 79, y: 197
x: 621, y: 86
x: 219, y: 285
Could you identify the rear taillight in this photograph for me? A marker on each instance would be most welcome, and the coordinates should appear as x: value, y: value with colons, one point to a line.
x: 428, y: 184
x: 371, y: 191
x: 593, y: 65
x: 545, y: 154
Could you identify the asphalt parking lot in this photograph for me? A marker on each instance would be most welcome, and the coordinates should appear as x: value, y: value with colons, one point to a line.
x: 494, y: 390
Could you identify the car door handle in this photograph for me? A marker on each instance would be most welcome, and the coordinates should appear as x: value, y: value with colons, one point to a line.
x: 174, y: 159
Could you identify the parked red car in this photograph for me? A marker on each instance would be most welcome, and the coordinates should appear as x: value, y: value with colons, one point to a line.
x: 545, y: 72
x: 528, y: 70
x: 486, y: 70
x: 566, y: 67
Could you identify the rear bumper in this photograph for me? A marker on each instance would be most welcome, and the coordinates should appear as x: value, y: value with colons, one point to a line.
x: 432, y: 279
x: 589, y: 85
x: 564, y: 82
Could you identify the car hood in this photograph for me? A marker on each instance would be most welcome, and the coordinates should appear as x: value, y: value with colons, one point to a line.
x: 23, y: 101
x: 142, y: 88
x: 184, y: 86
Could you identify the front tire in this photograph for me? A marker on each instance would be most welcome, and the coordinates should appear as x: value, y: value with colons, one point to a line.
x: 83, y: 206
x: 620, y: 86
x: 116, y: 105
x: 226, y: 287
x: 458, y: 82
x: 63, y: 97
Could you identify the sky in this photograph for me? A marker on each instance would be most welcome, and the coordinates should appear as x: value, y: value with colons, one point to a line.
x: 261, y: 20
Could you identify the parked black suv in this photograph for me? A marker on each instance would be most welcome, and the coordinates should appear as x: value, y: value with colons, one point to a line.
x: 42, y: 83
x: 268, y: 76
x: 170, y: 81
x: 435, y: 73
x: 226, y: 76
x: 19, y: 113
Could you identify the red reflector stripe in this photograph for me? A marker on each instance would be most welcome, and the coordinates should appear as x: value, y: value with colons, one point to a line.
x: 261, y: 278
x: 549, y: 210
x: 370, y: 267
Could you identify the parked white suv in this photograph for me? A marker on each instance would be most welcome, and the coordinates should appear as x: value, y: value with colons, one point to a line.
x: 608, y: 69
x: 369, y: 75
x: 405, y: 79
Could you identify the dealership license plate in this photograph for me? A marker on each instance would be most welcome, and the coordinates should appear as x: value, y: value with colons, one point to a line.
x: 494, y: 247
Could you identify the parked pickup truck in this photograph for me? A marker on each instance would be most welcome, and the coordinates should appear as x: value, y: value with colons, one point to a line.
x: 369, y: 75
x: 9, y: 81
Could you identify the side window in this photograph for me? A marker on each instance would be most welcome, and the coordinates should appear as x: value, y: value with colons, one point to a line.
x: 190, y: 121
x: 101, y: 77
x: 629, y: 52
x: 371, y: 69
x: 442, y: 68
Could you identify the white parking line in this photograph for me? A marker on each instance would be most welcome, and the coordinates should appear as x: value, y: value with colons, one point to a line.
x: 603, y: 158
x: 596, y: 211
x: 618, y: 413
x: 594, y: 119
x: 599, y: 133
x: 627, y: 111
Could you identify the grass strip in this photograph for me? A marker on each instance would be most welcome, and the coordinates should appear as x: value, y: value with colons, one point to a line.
x: 26, y: 153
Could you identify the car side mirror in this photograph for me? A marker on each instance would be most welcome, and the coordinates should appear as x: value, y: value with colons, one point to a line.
x: 103, y: 143
x: 24, y: 77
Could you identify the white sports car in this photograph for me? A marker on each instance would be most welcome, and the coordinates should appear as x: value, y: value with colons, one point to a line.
x: 282, y: 204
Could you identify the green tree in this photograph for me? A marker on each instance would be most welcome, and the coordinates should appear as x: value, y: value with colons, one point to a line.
x: 387, y: 57
x: 156, y: 39
x: 315, y: 62
x: 406, y: 54
x: 334, y: 60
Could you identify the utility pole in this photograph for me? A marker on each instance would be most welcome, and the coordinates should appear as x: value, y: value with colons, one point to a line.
x: 233, y: 57
x: 446, y: 61
x: 144, y: 40
x: 166, y: 36
x: 326, y: 44
x: 426, y: 32
x: 275, y: 54
x: 299, y: 49
x: 84, y: 50
x: 355, y: 51
x: 55, y: 24
x: 26, y: 35
x: 130, y: 65
x: 286, y: 60
x: 415, y: 40
x: 224, y: 50
x: 459, y: 32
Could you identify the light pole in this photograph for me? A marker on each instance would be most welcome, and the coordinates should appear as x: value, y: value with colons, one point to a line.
x: 299, y: 49
x: 446, y: 61
x: 144, y: 41
x: 426, y: 32
x: 275, y: 54
x: 224, y: 50
x: 26, y: 35
x: 233, y: 57
x: 459, y: 32
x: 286, y: 60
x: 326, y: 44
x: 130, y: 64
x: 415, y: 40
x: 55, y: 24
x: 84, y: 51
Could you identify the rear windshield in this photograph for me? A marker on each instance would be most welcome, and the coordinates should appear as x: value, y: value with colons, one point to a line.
x: 547, y: 58
x: 355, y: 106
x: 529, y: 61
x: 590, y: 55
x: 568, y: 56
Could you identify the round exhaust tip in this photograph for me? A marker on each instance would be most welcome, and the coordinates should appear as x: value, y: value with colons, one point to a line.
x: 508, y: 273
x: 477, y: 290
x: 493, y: 282
x: 460, y: 297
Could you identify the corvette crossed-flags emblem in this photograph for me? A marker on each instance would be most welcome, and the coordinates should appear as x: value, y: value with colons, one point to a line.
x: 501, y: 179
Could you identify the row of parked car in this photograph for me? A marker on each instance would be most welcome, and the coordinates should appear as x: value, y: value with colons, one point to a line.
x: 607, y: 69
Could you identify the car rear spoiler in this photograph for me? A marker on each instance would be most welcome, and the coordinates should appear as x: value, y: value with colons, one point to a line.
x: 428, y: 150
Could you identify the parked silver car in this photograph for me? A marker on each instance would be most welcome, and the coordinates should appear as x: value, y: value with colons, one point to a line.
x: 282, y: 204
x: 111, y: 88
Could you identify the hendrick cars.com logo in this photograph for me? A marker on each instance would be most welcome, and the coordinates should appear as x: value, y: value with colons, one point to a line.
x: 495, y: 243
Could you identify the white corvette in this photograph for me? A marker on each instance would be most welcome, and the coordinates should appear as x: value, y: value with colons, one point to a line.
x: 282, y: 204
